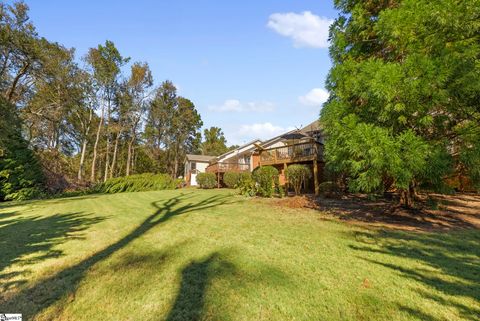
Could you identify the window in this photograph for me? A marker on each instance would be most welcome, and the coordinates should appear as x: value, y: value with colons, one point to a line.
x: 193, y: 166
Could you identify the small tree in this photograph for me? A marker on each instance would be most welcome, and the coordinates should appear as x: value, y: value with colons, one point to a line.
x: 231, y: 179
x: 297, y: 175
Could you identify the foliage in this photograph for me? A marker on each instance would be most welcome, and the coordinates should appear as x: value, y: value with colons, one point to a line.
x: 172, y: 126
x: 89, y: 121
x: 297, y: 175
x: 267, y: 179
x: 206, y: 180
x: 21, y: 175
x: 231, y: 179
x: 247, y: 185
x: 214, y: 143
x: 403, y: 109
x: 136, y: 183
x: 281, y: 191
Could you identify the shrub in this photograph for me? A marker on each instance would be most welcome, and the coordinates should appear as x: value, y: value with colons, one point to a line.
x: 297, y: 175
x: 247, y: 185
x: 136, y: 183
x: 206, y: 180
x: 244, y: 176
x: 230, y: 179
x: 329, y: 188
x: 267, y: 179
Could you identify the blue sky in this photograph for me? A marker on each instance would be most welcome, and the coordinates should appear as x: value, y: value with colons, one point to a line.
x: 253, y: 68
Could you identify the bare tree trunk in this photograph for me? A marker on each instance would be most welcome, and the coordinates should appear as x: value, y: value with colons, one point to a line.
x: 107, y: 149
x: 107, y: 159
x: 134, y: 159
x: 129, y: 155
x: 175, y: 166
x: 95, y: 146
x: 407, y: 196
x: 21, y: 73
x: 115, y: 150
x: 81, y: 168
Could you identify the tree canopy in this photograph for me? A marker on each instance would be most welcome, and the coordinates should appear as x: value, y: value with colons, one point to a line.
x: 74, y: 122
x: 404, y: 108
x: 214, y: 143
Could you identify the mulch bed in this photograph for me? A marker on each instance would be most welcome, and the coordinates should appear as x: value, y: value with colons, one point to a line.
x: 452, y: 211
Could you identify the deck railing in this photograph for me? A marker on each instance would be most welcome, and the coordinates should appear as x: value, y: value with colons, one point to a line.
x: 228, y: 167
x: 290, y: 153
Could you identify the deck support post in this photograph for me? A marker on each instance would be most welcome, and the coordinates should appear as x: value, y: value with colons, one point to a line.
x: 315, y: 177
x: 218, y: 179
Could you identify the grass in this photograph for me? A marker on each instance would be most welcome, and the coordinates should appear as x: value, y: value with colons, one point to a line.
x: 211, y: 255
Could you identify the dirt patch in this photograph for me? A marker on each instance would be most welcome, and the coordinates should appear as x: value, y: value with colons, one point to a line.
x: 432, y: 212
x: 297, y: 202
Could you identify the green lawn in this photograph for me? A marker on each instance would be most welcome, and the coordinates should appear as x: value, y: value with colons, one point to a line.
x: 211, y: 255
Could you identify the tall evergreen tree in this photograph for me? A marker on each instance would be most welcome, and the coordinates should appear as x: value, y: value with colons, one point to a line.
x: 20, y: 173
x: 405, y: 93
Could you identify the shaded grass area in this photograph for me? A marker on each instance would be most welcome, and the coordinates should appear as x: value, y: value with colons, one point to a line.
x: 211, y: 255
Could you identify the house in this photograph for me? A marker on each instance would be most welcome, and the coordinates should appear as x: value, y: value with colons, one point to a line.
x: 299, y: 146
x: 195, y: 164
x: 239, y: 159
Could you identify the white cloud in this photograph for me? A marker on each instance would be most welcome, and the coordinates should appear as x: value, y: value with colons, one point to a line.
x: 315, y: 97
x: 261, y: 131
x: 306, y: 29
x: 234, y: 105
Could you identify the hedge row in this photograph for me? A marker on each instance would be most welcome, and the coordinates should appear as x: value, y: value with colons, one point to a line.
x: 136, y: 183
x: 206, y: 180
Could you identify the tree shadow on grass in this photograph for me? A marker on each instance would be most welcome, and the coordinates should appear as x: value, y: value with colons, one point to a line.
x: 190, y: 301
x: 199, y: 275
x: 28, y: 240
x: 44, y: 294
x: 42, y: 203
x: 452, y: 261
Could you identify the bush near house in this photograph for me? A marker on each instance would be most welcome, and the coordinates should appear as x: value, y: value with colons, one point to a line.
x: 267, y: 179
x: 297, y: 175
x: 206, y: 180
x: 136, y: 183
x: 247, y: 185
x: 230, y: 179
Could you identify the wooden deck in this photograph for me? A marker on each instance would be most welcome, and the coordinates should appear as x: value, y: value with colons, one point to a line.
x: 227, y: 167
x: 294, y: 153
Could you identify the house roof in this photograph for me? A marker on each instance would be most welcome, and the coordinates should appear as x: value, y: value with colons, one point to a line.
x: 238, y: 149
x: 314, y: 126
x: 294, y: 134
x: 200, y: 158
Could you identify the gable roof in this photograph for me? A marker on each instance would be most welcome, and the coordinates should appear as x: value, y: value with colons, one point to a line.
x: 314, y: 126
x: 199, y: 158
x: 303, y: 132
x: 244, y: 148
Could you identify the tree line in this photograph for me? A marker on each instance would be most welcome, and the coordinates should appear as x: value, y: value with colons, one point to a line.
x: 86, y: 120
